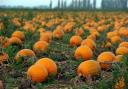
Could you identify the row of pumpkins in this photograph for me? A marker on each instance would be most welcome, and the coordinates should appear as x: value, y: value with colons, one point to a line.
x: 46, y: 66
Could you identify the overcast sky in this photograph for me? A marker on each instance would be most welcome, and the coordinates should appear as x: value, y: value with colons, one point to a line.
x: 33, y: 3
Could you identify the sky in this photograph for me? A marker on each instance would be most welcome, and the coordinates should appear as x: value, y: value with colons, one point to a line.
x: 33, y: 3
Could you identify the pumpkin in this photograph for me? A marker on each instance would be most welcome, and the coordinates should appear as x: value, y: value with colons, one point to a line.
x: 24, y: 53
x: 92, y: 36
x: 37, y: 73
x: 90, y: 43
x: 40, y: 46
x: 105, y: 59
x: 111, y: 34
x: 123, y: 44
x: 115, y: 39
x: 75, y: 40
x: 120, y: 84
x: 122, y: 51
x: 19, y: 35
x: 83, y: 52
x: 49, y: 64
x: 58, y: 33
x: 46, y: 36
x: 13, y: 40
x: 79, y: 32
x: 3, y: 57
x: 89, y: 68
x: 119, y: 58
x: 3, y: 41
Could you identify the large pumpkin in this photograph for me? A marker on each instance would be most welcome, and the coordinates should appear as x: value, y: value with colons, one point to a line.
x: 49, y: 64
x: 83, y: 52
x: 37, y: 73
x: 89, y: 68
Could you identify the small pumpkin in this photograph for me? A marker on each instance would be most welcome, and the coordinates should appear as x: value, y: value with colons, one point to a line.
x: 123, y: 44
x: 122, y: 51
x: 89, y: 68
x: 18, y: 34
x: 90, y: 43
x: 58, y: 33
x: 75, y: 40
x: 79, y: 32
x: 37, y: 73
x: 24, y: 53
x: 40, y: 46
x: 119, y: 58
x: 83, y: 52
x: 46, y: 36
x: 49, y: 64
x: 3, y: 57
x: 13, y: 40
x: 105, y: 59
x: 115, y: 39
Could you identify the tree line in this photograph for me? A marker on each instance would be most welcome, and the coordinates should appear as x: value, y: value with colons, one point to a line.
x: 87, y: 4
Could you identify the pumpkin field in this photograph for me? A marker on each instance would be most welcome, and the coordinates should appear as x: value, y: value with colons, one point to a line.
x: 63, y: 49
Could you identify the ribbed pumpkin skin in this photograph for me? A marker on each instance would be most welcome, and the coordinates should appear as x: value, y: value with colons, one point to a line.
x: 37, y: 73
x: 89, y: 68
x: 83, y: 52
x: 105, y: 59
x: 24, y: 53
x: 49, y: 64
x: 122, y: 51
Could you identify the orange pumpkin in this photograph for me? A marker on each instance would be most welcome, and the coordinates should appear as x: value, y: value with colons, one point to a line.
x: 19, y: 35
x: 122, y: 51
x: 89, y: 68
x: 123, y: 44
x: 24, y: 53
x: 92, y: 36
x: 75, y: 40
x: 3, y: 57
x: 40, y: 46
x: 83, y: 52
x: 13, y: 40
x: 49, y: 64
x: 90, y: 43
x: 119, y: 58
x: 115, y: 39
x: 46, y: 36
x: 58, y: 33
x: 105, y: 59
x: 120, y: 84
x: 79, y: 32
x: 37, y: 73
